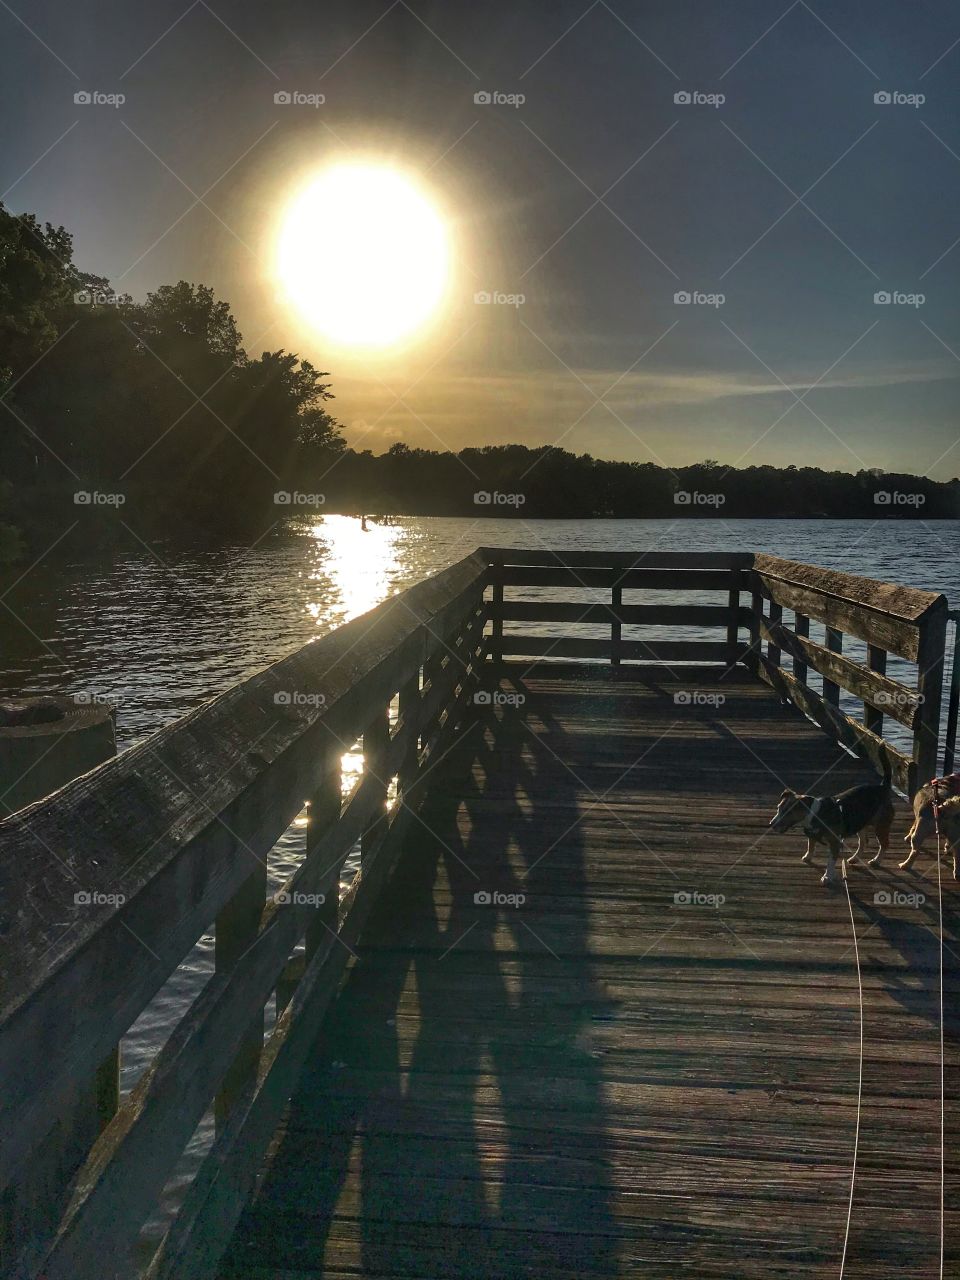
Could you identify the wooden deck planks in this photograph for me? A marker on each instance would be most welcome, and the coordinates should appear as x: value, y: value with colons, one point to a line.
x: 604, y: 1082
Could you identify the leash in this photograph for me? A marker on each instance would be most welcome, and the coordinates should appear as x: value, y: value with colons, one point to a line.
x: 856, y: 1140
x: 943, y: 1149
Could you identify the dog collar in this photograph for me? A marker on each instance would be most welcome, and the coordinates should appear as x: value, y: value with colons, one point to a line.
x: 813, y: 825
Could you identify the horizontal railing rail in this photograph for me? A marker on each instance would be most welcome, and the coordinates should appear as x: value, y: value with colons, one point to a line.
x: 108, y: 884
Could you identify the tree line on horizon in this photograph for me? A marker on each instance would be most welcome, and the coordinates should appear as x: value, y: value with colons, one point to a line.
x: 158, y: 407
x: 545, y: 482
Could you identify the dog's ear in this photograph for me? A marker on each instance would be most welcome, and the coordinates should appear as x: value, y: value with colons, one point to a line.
x: 786, y: 794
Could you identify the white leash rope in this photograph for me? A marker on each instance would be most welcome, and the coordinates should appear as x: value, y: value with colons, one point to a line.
x: 856, y: 1140
x: 943, y: 1149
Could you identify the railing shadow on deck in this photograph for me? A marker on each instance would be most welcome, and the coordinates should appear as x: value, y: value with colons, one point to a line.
x: 175, y: 834
x: 465, y: 1047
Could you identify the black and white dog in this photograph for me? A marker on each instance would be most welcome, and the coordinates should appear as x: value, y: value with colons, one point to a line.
x: 829, y: 820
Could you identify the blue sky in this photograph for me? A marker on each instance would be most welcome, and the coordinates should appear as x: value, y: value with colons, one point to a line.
x: 783, y: 187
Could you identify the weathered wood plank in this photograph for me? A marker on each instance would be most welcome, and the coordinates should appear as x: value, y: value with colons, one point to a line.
x: 619, y: 559
x: 872, y: 716
x: 661, y: 615
x: 628, y: 579
x: 831, y: 690
x: 909, y: 604
x: 840, y: 726
x: 878, y: 612
x: 237, y: 930
x: 637, y: 650
x: 869, y: 684
x: 930, y: 659
x: 376, y: 767
x: 801, y: 629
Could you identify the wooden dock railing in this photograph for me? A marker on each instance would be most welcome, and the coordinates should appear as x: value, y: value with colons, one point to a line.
x: 615, y: 572
x: 902, y: 621
x: 109, y: 884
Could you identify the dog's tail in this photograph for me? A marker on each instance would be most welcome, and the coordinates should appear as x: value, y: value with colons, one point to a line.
x: 887, y: 771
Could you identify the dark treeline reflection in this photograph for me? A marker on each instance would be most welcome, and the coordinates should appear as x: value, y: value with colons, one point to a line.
x: 154, y: 413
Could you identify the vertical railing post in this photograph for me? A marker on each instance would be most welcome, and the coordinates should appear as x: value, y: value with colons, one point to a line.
x: 432, y: 675
x: 930, y: 655
x: 325, y: 806
x: 773, y: 649
x: 496, y: 612
x: 872, y: 716
x: 831, y: 691
x: 616, y: 628
x: 236, y: 931
x: 376, y: 744
x: 802, y: 628
x: 733, y: 619
x: 323, y: 810
x: 409, y: 725
x: 756, y: 614
x: 953, y: 706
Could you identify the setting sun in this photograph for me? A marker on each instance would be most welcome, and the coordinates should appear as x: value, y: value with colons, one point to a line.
x: 363, y: 255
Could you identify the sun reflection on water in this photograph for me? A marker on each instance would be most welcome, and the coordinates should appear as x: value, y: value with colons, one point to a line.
x: 356, y: 566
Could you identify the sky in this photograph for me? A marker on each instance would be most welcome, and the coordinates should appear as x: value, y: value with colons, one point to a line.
x: 632, y: 155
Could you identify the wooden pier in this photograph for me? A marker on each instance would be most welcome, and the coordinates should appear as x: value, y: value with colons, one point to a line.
x: 579, y: 1014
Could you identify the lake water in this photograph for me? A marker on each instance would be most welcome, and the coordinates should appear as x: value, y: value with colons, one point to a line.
x: 156, y: 631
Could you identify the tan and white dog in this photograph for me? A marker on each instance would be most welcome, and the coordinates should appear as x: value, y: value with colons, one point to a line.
x: 938, y: 792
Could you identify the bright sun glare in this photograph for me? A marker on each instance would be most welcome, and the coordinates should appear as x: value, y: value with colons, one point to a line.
x: 363, y: 255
